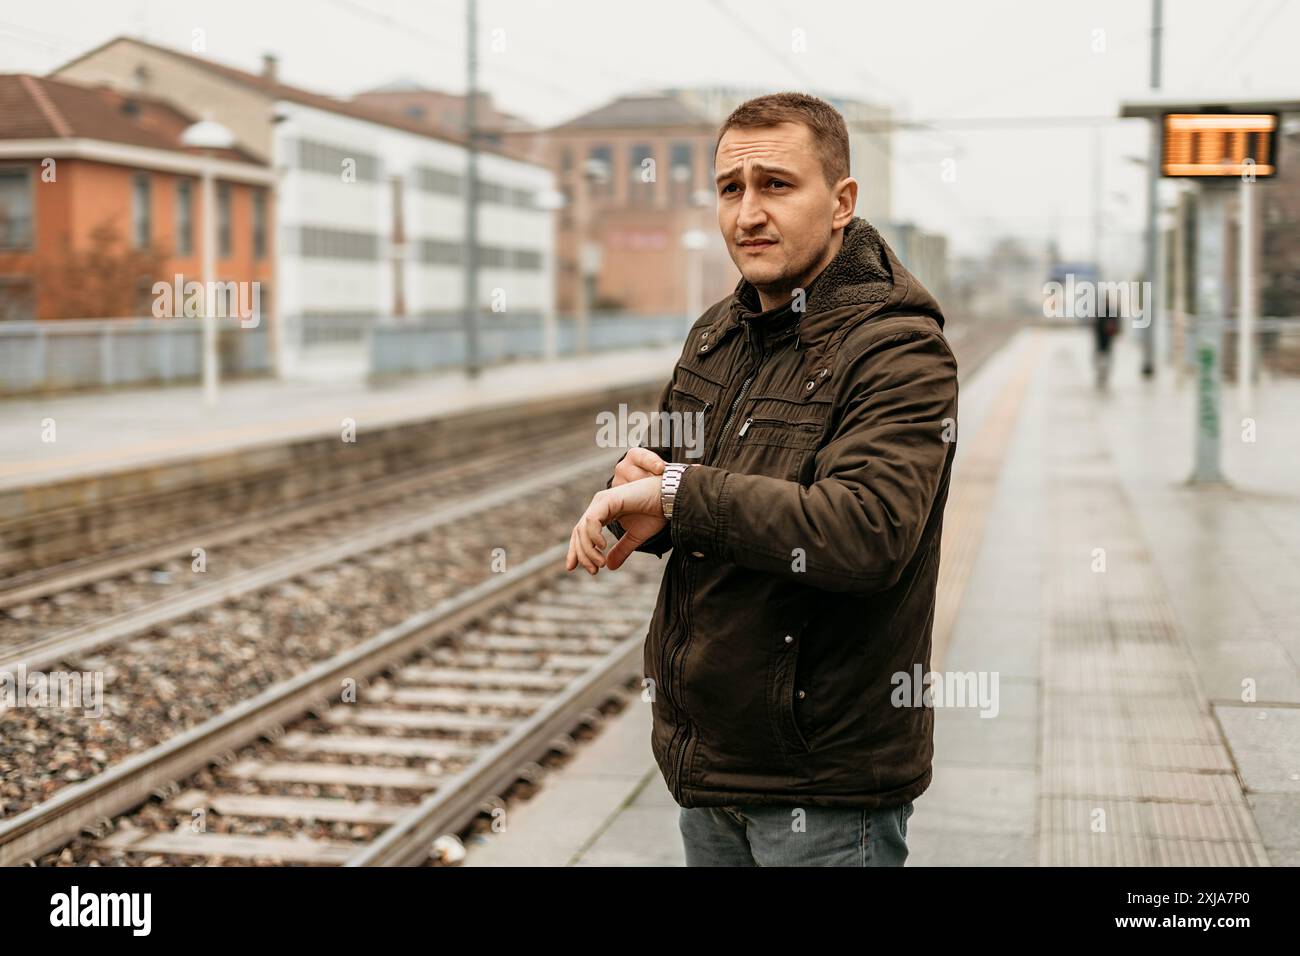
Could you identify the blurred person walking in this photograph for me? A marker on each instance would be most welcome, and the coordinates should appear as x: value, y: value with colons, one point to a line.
x: 1105, y: 326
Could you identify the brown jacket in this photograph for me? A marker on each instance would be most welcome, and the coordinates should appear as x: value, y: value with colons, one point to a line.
x: 805, y: 549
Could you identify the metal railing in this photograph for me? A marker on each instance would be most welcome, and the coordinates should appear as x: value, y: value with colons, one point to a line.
x: 428, y: 344
x: 98, y: 353
x: 63, y: 355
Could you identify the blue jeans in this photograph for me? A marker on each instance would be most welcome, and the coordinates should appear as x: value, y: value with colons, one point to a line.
x: 794, y: 836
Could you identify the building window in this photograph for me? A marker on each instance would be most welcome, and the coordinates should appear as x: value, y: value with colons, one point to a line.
x: 431, y: 180
x: 681, y: 172
x: 322, y: 158
x: 492, y: 257
x: 641, y: 176
x: 259, y: 223
x: 599, y: 170
x: 440, y: 252
x: 15, y: 209
x: 184, y: 217
x: 529, y: 259
x: 223, y: 221
x: 141, y: 213
x: 17, y: 303
x: 315, y: 242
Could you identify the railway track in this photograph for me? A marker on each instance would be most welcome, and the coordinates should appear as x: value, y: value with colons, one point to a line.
x: 311, y: 547
x: 377, y: 498
x: 392, y: 743
x: 54, y: 532
x: 43, y: 601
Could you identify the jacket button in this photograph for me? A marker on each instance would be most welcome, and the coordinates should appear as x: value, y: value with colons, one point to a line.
x: 705, y: 348
x: 802, y: 695
x: 789, y: 639
x: 697, y: 554
x: 808, y: 385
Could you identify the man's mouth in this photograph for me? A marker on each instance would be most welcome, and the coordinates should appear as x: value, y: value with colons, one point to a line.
x: 756, y: 245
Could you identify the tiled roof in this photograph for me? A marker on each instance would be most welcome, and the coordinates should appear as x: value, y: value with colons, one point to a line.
x: 282, y: 91
x: 644, y: 110
x: 39, y: 107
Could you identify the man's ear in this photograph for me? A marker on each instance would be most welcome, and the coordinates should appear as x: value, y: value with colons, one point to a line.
x: 846, y: 201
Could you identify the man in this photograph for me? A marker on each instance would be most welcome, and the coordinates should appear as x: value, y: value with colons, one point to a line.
x: 1105, y: 326
x: 805, y: 539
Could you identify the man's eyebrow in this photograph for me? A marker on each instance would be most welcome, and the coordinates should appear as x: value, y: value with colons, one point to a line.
x: 761, y: 167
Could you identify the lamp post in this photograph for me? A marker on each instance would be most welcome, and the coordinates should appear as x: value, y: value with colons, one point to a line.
x: 551, y: 200
x: 209, y: 136
x: 695, y: 241
x: 594, y: 172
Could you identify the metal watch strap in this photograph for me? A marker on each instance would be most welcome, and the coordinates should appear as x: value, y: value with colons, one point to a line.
x: 672, y: 478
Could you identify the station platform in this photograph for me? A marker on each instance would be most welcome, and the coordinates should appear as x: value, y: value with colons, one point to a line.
x: 98, y: 433
x: 1142, y: 632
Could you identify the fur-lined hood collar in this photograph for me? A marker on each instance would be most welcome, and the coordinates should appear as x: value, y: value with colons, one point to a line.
x: 865, y: 276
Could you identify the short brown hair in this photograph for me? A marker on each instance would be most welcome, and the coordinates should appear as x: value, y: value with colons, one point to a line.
x: 830, y: 135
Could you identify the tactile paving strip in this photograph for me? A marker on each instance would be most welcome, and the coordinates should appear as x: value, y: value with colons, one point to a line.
x: 1134, y: 769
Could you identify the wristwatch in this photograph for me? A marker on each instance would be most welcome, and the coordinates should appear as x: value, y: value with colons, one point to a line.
x: 668, y: 485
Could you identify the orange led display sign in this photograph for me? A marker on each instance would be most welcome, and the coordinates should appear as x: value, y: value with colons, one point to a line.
x: 1219, y: 144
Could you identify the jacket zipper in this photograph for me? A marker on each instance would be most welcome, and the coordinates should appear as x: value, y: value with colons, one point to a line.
x: 686, y: 634
x: 672, y: 663
x: 744, y: 387
x: 665, y: 661
x: 764, y: 421
x: 669, y: 652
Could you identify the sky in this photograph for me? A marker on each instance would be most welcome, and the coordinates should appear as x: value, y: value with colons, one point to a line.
x: 1080, y: 182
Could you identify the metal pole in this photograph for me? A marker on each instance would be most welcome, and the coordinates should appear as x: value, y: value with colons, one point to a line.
x: 583, y: 302
x: 1158, y: 290
x: 471, y: 195
x: 1211, y: 275
x: 1246, y: 296
x: 696, y: 307
x: 209, y: 283
x: 1153, y: 179
x: 1096, y: 200
x: 1178, y: 299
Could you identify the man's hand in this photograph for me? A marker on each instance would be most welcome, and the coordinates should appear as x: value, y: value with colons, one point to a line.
x: 633, y: 499
x: 636, y: 464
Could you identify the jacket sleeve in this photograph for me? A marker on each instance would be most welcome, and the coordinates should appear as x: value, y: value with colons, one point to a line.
x: 660, y: 542
x: 859, y: 523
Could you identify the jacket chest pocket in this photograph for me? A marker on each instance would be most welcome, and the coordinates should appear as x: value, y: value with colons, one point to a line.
x: 775, y: 436
x: 692, y: 404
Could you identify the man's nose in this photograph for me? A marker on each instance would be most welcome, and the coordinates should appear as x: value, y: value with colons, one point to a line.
x: 752, y: 213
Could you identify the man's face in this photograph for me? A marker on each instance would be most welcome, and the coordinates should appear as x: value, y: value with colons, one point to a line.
x: 775, y: 209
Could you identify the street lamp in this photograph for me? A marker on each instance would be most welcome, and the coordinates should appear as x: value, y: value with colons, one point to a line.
x: 695, y: 241
x: 551, y: 200
x: 209, y: 136
x: 594, y: 172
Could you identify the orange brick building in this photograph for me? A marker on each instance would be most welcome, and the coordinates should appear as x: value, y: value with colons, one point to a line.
x: 99, y: 200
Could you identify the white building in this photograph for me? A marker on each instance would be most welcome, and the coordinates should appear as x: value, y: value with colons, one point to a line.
x: 370, y: 214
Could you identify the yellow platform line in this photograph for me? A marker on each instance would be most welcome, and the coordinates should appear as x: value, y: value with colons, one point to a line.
x: 970, y: 495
